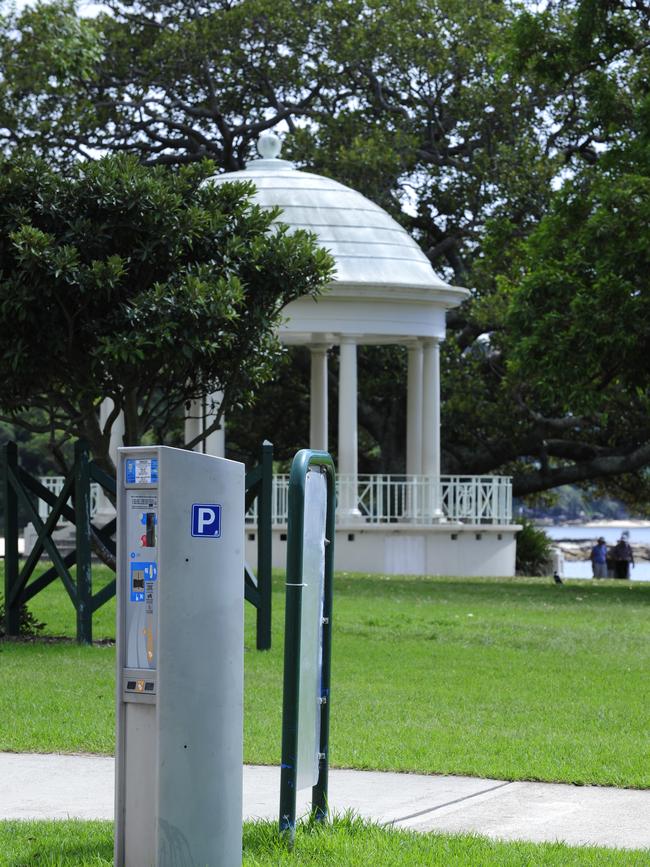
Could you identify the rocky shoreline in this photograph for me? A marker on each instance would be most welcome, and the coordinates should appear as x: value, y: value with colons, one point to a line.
x: 580, y: 549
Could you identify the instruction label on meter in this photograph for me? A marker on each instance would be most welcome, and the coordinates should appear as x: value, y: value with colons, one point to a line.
x: 141, y: 471
x: 142, y: 573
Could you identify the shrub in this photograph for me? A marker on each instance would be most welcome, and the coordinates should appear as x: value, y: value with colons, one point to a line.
x: 29, y: 625
x: 533, y: 550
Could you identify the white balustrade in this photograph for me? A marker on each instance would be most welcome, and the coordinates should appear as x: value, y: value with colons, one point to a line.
x: 383, y: 499
x: 410, y: 499
x: 54, y: 484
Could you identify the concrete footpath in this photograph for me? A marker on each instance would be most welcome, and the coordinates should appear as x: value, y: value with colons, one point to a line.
x: 62, y: 786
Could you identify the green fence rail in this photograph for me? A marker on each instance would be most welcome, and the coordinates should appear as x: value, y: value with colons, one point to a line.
x: 21, y: 490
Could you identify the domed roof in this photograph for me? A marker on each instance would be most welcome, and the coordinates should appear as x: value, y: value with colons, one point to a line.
x: 370, y: 249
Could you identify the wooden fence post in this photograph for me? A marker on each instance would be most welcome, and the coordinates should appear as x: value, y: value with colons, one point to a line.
x: 82, y: 526
x: 12, y: 606
x: 264, y: 547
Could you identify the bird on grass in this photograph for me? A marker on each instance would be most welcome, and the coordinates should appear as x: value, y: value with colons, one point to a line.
x: 557, y: 578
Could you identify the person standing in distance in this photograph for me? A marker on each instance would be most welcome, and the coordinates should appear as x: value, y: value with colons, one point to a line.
x: 623, y: 557
x: 599, y: 559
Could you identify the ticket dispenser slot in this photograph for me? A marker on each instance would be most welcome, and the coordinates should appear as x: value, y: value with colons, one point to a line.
x: 179, y: 658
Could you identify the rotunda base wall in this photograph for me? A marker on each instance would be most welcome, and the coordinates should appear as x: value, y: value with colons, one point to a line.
x: 468, y: 550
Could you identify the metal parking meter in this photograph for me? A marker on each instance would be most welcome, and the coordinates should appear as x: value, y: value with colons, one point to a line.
x: 178, y: 792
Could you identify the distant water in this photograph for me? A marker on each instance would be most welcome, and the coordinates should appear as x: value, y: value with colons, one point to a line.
x: 578, y: 532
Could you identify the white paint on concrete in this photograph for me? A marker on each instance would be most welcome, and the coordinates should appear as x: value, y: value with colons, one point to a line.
x: 65, y: 786
x: 411, y: 549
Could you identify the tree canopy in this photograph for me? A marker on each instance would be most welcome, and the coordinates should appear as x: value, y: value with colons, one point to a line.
x: 510, y: 140
x: 143, y: 285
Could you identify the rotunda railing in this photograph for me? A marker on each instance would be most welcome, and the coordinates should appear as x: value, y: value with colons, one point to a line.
x: 389, y: 499
x: 54, y: 484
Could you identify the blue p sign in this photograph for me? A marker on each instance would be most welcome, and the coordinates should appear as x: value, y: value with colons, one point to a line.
x: 206, y: 520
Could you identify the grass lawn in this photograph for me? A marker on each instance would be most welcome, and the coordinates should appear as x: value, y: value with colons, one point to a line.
x: 513, y: 679
x: 350, y: 842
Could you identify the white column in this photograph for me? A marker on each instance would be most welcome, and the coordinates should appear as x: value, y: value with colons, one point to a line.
x: 194, y: 423
x: 117, y: 430
x: 215, y: 443
x: 318, y: 399
x: 201, y: 414
x: 348, y: 435
x: 431, y: 420
x: 105, y: 509
x: 414, y: 411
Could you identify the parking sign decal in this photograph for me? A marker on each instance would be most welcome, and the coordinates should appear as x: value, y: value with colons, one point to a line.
x: 206, y: 520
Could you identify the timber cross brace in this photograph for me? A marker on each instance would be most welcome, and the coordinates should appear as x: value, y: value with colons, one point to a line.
x: 73, y: 504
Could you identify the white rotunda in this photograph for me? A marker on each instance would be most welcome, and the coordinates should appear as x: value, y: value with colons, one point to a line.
x: 384, y: 292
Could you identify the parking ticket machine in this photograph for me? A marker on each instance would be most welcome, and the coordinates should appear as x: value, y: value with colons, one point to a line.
x: 180, y: 569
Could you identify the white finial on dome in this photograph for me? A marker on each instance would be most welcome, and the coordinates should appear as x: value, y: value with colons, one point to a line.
x: 269, y: 146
